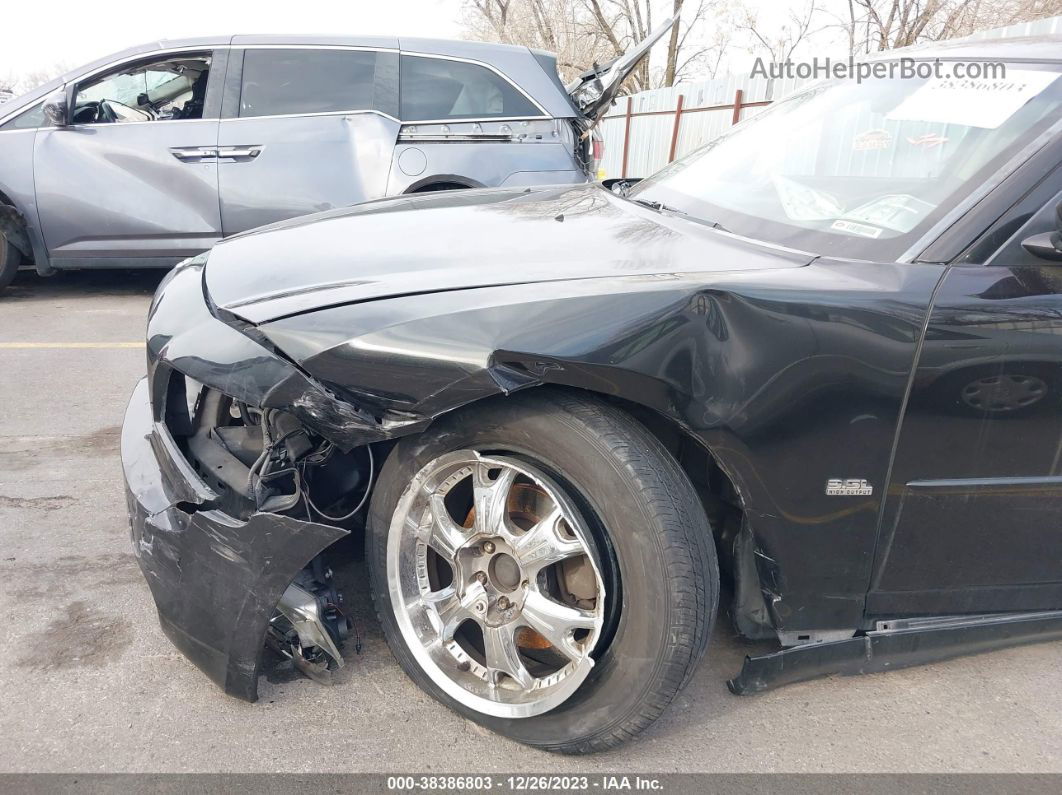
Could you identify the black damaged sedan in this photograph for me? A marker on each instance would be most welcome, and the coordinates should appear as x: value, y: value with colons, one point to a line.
x: 816, y: 364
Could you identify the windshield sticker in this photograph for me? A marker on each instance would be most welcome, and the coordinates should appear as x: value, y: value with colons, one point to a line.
x: 896, y: 211
x: 985, y: 103
x: 872, y: 140
x: 852, y: 228
x: 928, y: 141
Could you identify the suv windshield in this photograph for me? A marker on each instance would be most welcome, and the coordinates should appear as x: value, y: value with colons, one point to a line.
x: 860, y: 171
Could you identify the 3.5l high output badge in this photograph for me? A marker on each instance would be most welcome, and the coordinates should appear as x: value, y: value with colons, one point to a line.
x: 848, y: 487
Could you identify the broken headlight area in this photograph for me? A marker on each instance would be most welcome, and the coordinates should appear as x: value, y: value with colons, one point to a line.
x: 309, y: 626
x: 265, y: 461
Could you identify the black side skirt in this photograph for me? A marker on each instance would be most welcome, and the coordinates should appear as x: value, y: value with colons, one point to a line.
x: 898, y: 644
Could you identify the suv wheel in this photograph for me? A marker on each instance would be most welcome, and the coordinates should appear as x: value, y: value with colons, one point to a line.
x: 543, y: 566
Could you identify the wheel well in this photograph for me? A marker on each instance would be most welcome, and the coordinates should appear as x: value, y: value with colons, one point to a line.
x: 15, y: 224
x: 433, y: 187
x: 719, y: 497
x: 723, y: 505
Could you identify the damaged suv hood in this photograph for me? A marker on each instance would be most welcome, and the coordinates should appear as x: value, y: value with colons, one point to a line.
x: 460, y: 240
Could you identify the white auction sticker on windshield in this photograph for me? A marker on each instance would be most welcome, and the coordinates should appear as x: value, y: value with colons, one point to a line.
x: 852, y: 228
x: 982, y: 102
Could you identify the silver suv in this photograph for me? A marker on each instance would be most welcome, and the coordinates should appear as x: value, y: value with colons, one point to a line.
x: 152, y: 155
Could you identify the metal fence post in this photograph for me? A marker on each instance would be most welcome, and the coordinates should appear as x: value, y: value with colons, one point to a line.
x: 737, y: 107
x: 626, y: 137
x: 675, y: 128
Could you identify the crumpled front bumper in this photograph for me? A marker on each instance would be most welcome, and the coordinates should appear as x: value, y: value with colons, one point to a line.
x: 216, y: 579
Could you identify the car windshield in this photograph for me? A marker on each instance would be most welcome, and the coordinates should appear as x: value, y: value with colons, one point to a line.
x: 860, y: 170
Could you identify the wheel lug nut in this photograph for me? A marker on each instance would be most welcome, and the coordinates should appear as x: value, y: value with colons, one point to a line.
x: 488, y: 547
x: 480, y: 577
x: 503, y: 603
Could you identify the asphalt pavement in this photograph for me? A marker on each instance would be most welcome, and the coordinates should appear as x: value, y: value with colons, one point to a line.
x: 89, y: 683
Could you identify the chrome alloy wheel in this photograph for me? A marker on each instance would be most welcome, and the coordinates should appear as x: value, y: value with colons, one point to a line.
x: 494, y: 583
x: 1004, y: 393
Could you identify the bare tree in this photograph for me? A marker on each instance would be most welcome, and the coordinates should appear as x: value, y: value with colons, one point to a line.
x: 585, y: 32
x: 886, y: 24
x: 21, y: 82
x: 780, y: 39
x: 560, y: 26
x: 694, y: 44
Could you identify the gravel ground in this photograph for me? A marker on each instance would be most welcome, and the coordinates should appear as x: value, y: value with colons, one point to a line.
x: 90, y: 683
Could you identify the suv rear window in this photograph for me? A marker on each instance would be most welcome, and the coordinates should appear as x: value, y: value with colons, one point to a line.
x: 434, y: 88
x: 278, y: 82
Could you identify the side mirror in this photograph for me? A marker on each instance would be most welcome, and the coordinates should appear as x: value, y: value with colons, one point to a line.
x: 1047, y: 245
x: 55, y: 109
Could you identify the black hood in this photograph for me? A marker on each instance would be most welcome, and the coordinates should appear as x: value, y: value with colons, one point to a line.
x: 462, y: 240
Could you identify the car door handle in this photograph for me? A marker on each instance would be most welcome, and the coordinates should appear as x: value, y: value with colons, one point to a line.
x: 194, y: 154
x: 239, y: 154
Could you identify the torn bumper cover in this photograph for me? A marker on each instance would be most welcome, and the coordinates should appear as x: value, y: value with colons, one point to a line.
x: 216, y: 579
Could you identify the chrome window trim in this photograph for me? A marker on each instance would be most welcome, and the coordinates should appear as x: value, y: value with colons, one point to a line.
x: 312, y: 47
x: 480, y: 120
x: 113, y: 124
x: 360, y: 112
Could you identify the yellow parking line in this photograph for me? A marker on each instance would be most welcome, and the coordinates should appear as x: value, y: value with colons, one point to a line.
x: 67, y: 345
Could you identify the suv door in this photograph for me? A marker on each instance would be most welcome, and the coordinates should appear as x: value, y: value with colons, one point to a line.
x: 972, y: 522
x: 305, y: 129
x: 132, y: 177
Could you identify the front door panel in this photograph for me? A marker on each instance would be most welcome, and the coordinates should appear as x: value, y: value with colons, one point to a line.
x: 974, y: 517
x: 137, y: 190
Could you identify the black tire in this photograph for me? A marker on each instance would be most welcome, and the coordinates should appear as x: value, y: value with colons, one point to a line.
x: 648, y: 517
x: 10, y: 261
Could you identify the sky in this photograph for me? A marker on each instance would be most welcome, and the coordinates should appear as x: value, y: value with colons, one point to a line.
x: 42, y: 33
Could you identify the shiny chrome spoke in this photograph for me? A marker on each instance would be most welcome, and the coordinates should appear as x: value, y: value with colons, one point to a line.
x: 451, y: 610
x: 503, y: 656
x: 445, y: 536
x: 545, y: 544
x: 491, y: 497
x: 556, y: 622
